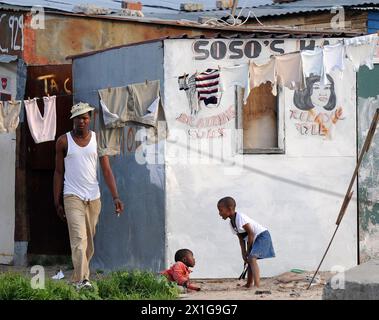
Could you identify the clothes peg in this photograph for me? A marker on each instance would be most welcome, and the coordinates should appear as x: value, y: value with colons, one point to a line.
x: 146, y: 81
x: 48, y: 95
x: 29, y: 99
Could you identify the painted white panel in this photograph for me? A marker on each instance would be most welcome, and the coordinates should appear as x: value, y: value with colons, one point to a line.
x: 296, y: 195
x: 7, y: 199
x: 7, y: 174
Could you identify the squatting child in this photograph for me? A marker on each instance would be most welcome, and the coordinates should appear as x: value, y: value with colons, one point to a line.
x: 179, y: 272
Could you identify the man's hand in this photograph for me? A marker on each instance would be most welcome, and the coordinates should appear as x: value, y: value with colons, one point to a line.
x: 60, y: 212
x: 119, y: 206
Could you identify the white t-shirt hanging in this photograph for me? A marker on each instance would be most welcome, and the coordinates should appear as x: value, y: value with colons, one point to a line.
x: 333, y: 59
x: 361, y: 50
x: 262, y: 73
x: 312, y: 61
x: 242, y: 219
x: 42, y: 128
x: 289, y: 72
x: 236, y: 76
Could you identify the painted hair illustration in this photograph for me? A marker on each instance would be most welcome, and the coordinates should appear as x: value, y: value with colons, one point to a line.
x: 316, y: 95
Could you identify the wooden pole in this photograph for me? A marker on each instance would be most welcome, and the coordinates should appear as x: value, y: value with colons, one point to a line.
x: 349, y: 193
x: 235, y: 3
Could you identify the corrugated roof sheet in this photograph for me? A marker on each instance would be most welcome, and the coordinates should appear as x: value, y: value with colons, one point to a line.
x: 169, y: 9
x: 151, y: 6
x: 299, y: 6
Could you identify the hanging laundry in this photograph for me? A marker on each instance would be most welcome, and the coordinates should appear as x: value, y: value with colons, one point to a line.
x: 333, y: 59
x: 260, y: 74
x: 140, y: 102
x: 188, y: 84
x: 236, y: 76
x: 312, y: 61
x: 131, y: 103
x: 42, y: 128
x: 208, y: 86
x: 361, y: 50
x: 9, y: 116
x: 289, y: 71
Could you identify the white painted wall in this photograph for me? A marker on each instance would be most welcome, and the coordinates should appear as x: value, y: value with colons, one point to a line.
x: 297, y: 195
x: 7, y: 178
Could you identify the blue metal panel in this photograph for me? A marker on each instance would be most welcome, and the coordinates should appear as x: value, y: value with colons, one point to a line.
x: 373, y: 22
x: 136, y: 239
x: 373, y: 15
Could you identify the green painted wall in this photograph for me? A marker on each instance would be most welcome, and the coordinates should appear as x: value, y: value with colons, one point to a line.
x: 368, y: 180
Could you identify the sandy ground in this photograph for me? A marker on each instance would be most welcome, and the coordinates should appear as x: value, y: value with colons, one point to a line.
x: 287, y: 286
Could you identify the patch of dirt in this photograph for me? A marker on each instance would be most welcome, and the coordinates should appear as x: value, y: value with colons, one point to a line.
x: 287, y: 286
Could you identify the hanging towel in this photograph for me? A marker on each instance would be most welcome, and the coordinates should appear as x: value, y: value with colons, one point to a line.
x: 42, y: 128
x: 333, y: 59
x: 289, y: 71
x: 9, y: 116
x: 312, y: 61
x: 236, y: 76
x: 208, y: 86
x: 361, y: 50
x: 131, y: 103
x: 260, y: 74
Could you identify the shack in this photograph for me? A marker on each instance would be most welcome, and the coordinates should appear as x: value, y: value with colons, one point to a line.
x: 279, y: 163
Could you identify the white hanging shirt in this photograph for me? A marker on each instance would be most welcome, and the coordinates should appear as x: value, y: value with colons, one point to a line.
x: 80, y: 164
x: 42, y: 128
x: 243, y: 219
x: 236, y: 76
x: 312, y: 61
x: 260, y: 74
x: 9, y: 116
x: 289, y: 71
x: 361, y: 50
x: 333, y: 59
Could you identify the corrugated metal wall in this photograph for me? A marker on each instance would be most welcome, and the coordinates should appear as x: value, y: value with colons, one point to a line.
x: 136, y: 239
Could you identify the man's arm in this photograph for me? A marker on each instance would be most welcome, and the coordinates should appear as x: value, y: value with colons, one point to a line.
x: 111, y: 183
x: 60, y: 148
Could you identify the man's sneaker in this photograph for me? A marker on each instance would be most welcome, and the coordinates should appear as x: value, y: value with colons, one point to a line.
x: 83, y: 284
x: 86, y: 284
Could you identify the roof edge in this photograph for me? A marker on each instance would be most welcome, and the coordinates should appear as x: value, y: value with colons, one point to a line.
x: 287, y: 35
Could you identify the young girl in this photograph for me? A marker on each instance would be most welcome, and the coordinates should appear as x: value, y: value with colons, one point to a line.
x: 179, y: 272
x: 259, y: 245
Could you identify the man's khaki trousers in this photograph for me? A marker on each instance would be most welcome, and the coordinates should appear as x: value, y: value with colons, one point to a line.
x: 82, y: 217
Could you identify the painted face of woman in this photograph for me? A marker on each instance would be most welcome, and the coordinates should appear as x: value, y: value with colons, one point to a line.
x: 320, y: 94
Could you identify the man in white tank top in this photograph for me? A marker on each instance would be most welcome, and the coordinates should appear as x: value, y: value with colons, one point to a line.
x: 76, y: 175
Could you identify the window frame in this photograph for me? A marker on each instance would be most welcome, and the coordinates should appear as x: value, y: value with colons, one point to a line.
x: 280, y: 98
